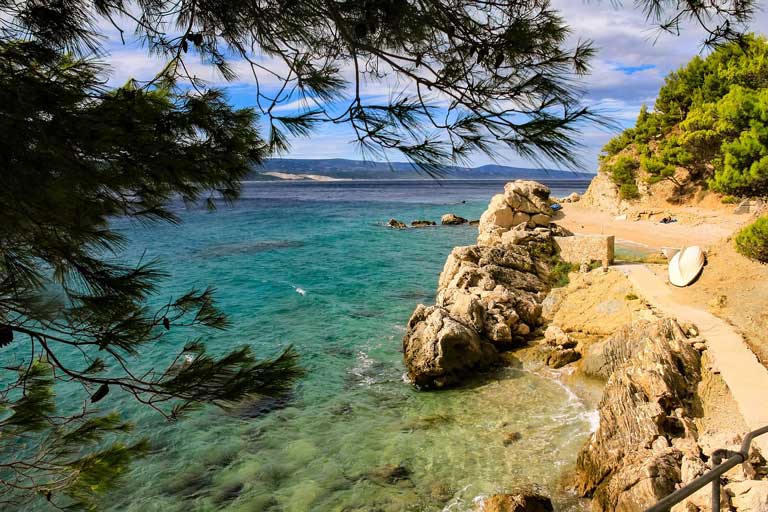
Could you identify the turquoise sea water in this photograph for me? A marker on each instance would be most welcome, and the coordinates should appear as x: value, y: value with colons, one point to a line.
x: 312, y: 265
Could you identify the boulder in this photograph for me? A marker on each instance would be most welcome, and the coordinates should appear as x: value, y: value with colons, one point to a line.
x: 498, y: 214
x: 541, y: 219
x: 749, y: 496
x: 439, y: 350
x: 449, y: 219
x: 422, y: 223
x: 632, y: 460
x: 528, y: 196
x: 561, y: 357
x: 515, y: 503
x: 489, y: 295
x: 396, y: 224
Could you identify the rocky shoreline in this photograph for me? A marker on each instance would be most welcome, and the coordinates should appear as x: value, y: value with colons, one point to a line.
x: 496, y: 302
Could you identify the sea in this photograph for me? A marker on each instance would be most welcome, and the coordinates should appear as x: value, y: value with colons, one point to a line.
x: 312, y: 265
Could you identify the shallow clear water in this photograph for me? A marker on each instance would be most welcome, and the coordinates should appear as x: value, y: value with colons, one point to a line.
x: 312, y: 265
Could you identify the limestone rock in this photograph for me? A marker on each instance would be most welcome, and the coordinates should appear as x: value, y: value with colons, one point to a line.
x: 516, y: 503
x: 595, y: 304
x: 750, y: 495
x: 498, y: 214
x: 422, y: 223
x: 626, y: 466
x: 528, y: 196
x: 489, y: 295
x: 449, y: 219
x: 554, y: 335
x: 602, y: 195
x: 561, y: 357
x: 603, y: 358
x: 439, y: 350
x: 396, y: 224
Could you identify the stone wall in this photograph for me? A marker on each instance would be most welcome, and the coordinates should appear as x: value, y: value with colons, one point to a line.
x: 586, y: 248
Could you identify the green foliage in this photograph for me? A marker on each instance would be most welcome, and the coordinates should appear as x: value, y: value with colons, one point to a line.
x: 752, y: 241
x: 558, y: 276
x: 76, y: 156
x: 711, y: 118
x: 663, y: 163
x: 729, y: 200
x: 623, y: 172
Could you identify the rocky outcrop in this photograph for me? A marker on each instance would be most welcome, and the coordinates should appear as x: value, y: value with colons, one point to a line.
x: 488, y: 298
x: 594, y: 304
x: 515, y: 503
x: 440, y: 350
x: 422, y: 223
x: 523, y: 205
x: 449, y: 219
x: 646, y: 428
x: 396, y: 224
x: 602, y: 195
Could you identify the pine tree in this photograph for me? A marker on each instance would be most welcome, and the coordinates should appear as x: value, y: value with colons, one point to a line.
x: 480, y: 74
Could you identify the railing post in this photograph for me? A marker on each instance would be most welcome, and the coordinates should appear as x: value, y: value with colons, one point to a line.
x: 716, y: 460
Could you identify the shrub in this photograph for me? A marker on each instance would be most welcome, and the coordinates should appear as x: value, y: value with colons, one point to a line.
x: 629, y: 191
x: 622, y: 172
x: 559, y: 274
x: 729, y: 200
x: 752, y: 241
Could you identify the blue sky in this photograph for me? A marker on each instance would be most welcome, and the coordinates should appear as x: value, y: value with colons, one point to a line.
x: 632, y: 60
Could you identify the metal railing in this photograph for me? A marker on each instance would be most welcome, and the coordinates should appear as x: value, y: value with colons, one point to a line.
x: 722, y: 461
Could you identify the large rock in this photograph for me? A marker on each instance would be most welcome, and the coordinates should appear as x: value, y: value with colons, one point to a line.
x: 498, y: 214
x: 749, y: 496
x: 603, y: 358
x: 528, y: 196
x: 515, y: 503
x: 439, y: 350
x: 634, y: 458
x: 450, y: 219
x: 602, y: 195
x: 489, y: 295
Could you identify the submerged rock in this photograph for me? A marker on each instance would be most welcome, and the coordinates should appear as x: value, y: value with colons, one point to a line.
x: 634, y: 458
x: 449, y: 219
x: 516, y: 503
x: 423, y: 223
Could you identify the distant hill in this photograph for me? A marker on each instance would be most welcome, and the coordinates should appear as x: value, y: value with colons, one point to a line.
x: 338, y: 168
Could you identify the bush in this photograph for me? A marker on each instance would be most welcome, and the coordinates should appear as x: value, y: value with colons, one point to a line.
x: 729, y: 200
x: 629, y: 191
x: 559, y: 274
x: 622, y: 172
x: 752, y: 241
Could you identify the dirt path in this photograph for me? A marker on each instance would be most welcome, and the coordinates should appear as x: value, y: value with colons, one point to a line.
x: 746, y: 378
x: 696, y: 227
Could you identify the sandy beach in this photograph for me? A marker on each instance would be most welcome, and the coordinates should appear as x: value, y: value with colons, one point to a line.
x: 695, y: 226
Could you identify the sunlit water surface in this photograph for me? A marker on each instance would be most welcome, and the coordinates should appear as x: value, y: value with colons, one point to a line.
x: 311, y: 265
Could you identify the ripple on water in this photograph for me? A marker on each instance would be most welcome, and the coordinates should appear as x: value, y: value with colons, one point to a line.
x: 386, y: 447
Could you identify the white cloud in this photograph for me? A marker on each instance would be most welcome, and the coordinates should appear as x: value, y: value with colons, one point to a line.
x: 622, y: 35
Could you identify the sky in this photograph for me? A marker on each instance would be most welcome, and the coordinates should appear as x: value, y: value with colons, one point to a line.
x: 632, y: 60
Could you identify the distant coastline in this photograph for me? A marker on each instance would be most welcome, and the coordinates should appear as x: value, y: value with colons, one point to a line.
x: 347, y: 170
